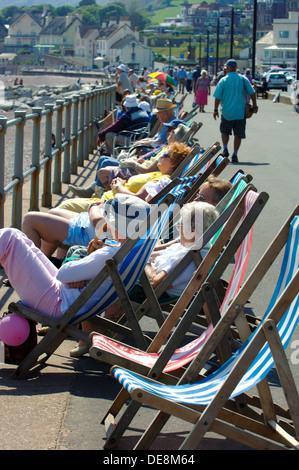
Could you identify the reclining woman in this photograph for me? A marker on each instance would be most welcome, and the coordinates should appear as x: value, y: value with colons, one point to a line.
x: 50, y: 230
x: 40, y: 285
x: 109, y: 168
x: 196, y: 217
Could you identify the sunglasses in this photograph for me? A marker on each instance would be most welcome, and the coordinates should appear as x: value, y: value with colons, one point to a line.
x: 165, y: 155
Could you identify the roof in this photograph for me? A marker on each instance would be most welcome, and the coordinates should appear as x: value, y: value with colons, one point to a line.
x: 58, y: 25
x: 122, y: 42
x: 16, y: 16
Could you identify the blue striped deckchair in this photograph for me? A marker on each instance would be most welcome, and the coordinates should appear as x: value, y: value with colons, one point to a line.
x: 247, y: 368
x: 124, y: 270
x: 152, y: 363
x: 115, y: 351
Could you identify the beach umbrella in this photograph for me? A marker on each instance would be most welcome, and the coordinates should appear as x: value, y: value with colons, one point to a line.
x: 163, y: 77
x: 153, y: 81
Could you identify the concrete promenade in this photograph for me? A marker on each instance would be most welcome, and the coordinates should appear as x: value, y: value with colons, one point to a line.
x: 61, y: 408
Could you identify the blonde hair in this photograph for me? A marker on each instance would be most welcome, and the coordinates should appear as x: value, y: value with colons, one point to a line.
x: 196, y: 218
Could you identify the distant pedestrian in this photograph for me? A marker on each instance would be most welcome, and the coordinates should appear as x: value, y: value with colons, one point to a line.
x: 189, y: 80
x: 202, y: 90
x: 182, y: 74
x: 195, y: 76
x: 123, y: 82
x: 230, y: 92
x: 133, y: 78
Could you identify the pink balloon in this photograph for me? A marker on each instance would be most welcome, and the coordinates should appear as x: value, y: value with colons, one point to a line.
x: 14, y: 329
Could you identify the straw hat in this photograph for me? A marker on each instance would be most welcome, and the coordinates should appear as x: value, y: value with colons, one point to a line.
x: 164, y: 104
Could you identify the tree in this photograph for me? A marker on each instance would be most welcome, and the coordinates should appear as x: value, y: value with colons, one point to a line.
x: 85, y: 3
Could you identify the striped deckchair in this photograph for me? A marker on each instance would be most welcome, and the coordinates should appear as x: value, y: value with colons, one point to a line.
x: 120, y: 353
x: 248, y: 367
x: 124, y: 269
x: 171, y: 358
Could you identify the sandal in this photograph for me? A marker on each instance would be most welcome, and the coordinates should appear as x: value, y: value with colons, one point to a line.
x: 6, y: 283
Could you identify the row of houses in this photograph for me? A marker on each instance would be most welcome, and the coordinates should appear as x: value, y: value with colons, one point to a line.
x: 81, y: 44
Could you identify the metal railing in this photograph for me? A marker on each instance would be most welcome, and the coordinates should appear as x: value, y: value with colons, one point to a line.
x: 76, y: 138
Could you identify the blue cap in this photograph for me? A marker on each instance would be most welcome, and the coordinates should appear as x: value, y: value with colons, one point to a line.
x: 174, y: 123
x: 231, y: 63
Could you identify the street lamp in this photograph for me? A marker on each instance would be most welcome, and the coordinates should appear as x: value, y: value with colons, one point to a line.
x: 169, y: 55
x: 208, y: 47
x: 133, y: 51
x: 254, y: 38
x: 232, y: 34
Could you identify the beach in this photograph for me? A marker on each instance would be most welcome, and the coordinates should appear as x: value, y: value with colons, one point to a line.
x: 34, y: 82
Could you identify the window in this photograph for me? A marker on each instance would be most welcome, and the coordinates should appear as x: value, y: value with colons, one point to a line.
x: 283, y: 34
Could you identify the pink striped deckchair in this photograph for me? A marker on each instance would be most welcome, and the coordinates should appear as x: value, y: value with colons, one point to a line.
x: 121, y: 353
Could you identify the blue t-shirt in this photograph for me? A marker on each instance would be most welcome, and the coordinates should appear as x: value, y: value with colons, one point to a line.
x: 230, y: 90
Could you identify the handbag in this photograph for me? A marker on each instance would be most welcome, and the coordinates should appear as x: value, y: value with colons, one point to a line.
x: 248, y: 106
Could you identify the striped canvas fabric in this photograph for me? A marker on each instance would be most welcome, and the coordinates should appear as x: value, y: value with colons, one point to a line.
x: 186, y: 353
x: 133, y: 265
x: 201, y: 393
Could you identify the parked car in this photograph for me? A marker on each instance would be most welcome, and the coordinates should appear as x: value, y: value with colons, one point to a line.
x: 290, y: 76
x: 277, y: 81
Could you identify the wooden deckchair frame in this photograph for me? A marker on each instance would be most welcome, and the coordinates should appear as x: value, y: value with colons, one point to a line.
x: 66, y: 325
x: 221, y: 415
x: 184, y: 323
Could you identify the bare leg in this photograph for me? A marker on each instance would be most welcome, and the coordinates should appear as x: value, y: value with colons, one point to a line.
x: 40, y: 226
x: 237, y: 143
x: 225, y: 139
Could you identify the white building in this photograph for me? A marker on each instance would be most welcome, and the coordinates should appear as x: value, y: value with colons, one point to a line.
x: 279, y: 46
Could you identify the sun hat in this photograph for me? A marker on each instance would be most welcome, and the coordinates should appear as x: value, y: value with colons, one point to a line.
x: 181, y: 131
x: 164, y: 104
x: 130, y: 101
x: 125, y: 212
x: 231, y: 63
x: 145, y: 106
x: 173, y: 123
x: 122, y: 67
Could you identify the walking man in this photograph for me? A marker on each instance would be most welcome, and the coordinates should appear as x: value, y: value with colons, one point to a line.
x: 232, y: 91
x: 182, y: 74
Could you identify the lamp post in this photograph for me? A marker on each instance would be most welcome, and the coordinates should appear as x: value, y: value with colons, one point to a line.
x: 199, y: 57
x: 254, y: 38
x: 232, y: 34
x: 208, y: 47
x: 169, y: 58
x: 217, y: 47
x: 133, y: 52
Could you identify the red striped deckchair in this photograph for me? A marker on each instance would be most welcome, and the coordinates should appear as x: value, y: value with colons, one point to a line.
x: 186, y: 353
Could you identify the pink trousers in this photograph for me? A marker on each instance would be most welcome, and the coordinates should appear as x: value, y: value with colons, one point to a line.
x: 30, y: 272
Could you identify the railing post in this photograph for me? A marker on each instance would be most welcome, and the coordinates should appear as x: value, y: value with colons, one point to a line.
x: 34, y: 188
x: 74, y: 157
x: 18, y: 170
x: 3, y: 126
x: 56, y: 186
x: 47, y: 195
x: 86, y: 127
x: 66, y: 175
x: 81, y: 132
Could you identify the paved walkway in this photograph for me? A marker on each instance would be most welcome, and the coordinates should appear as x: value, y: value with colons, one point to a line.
x: 61, y: 408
